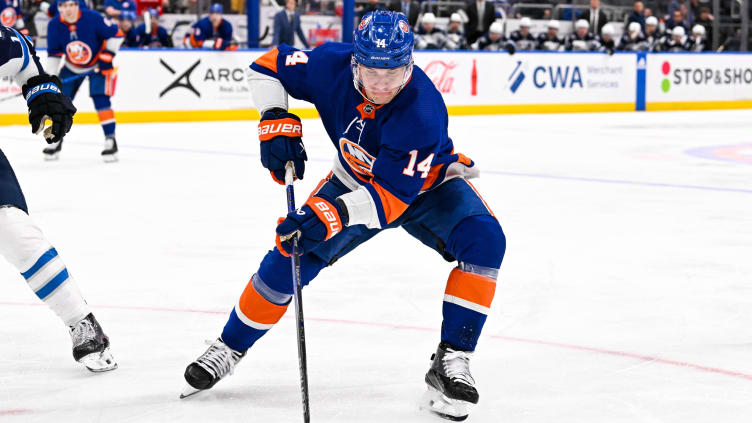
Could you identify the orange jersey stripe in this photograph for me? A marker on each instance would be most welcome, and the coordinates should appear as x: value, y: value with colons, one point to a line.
x: 393, y: 206
x: 269, y: 60
x: 258, y: 309
x: 471, y: 287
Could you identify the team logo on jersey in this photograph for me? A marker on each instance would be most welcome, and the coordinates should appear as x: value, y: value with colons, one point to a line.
x: 363, y: 23
x: 8, y: 16
x: 357, y: 157
x: 403, y: 26
x: 78, y: 52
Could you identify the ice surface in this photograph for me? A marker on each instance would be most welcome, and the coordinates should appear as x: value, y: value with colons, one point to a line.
x: 625, y: 295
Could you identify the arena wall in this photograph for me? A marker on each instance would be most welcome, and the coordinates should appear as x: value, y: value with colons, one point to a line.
x: 189, y: 85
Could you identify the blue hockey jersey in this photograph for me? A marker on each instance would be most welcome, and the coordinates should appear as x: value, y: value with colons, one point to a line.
x: 80, y: 42
x: 203, y: 30
x: 158, y: 37
x: 395, y: 150
x: 17, y: 56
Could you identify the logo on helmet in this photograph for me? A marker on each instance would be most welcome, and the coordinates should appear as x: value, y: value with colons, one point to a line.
x: 403, y: 26
x: 364, y: 22
x: 8, y: 16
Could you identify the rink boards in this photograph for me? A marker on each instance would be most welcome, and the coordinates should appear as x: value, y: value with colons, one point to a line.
x: 183, y: 85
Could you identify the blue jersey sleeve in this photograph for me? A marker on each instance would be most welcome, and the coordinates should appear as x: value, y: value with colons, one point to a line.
x: 164, y: 38
x: 290, y: 66
x: 17, y: 55
x: 55, y: 46
x: 107, y: 29
x: 225, y: 33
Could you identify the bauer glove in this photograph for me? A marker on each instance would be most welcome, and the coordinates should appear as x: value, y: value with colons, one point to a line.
x: 47, y: 101
x: 317, y: 221
x: 280, y: 134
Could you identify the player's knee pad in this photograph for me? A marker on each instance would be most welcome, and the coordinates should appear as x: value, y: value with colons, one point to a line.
x: 276, y: 273
x: 21, y: 241
x: 478, y: 241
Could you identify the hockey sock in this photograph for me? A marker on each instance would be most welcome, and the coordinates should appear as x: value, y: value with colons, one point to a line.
x: 24, y: 246
x: 259, y: 308
x: 105, y: 113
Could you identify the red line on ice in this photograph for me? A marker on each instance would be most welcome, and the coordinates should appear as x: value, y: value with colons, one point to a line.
x: 17, y: 412
x: 615, y: 353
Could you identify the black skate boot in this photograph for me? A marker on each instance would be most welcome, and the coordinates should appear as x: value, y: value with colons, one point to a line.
x: 451, y: 387
x: 52, y: 151
x: 91, y: 347
x: 218, y: 361
x: 109, y: 154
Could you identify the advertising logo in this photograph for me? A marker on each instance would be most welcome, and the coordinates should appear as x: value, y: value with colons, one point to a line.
x: 182, y: 81
x: 440, y: 73
x: 695, y: 76
x: 547, y: 77
x: 516, y: 78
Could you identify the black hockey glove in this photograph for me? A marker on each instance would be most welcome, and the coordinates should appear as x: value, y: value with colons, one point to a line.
x: 47, y: 101
x: 511, y: 49
x: 610, y: 46
x: 280, y: 134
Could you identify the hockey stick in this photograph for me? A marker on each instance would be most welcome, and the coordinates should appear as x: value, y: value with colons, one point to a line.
x: 297, y: 291
x: 65, y: 81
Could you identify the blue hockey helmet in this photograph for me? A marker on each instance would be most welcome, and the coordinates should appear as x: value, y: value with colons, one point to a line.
x: 384, y: 40
x: 153, y: 13
x: 216, y: 8
x: 128, y: 15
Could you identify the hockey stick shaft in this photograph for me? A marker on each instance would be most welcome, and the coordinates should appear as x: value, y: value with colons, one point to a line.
x: 65, y: 81
x: 298, y: 298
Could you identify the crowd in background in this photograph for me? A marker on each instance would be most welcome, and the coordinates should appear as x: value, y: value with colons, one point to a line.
x: 466, y: 24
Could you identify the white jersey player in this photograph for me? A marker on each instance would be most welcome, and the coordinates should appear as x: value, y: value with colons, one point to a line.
x: 21, y: 241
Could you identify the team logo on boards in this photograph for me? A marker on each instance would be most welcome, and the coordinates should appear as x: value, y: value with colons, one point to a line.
x: 182, y: 81
x: 78, y: 52
x: 8, y: 16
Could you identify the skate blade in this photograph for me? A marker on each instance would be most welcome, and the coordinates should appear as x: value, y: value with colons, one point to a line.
x: 51, y: 157
x: 439, y: 404
x: 99, y: 362
x: 188, y: 391
x: 110, y: 158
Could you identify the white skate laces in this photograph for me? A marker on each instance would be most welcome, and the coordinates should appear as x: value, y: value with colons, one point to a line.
x: 456, y: 365
x: 219, y: 360
x: 81, y: 332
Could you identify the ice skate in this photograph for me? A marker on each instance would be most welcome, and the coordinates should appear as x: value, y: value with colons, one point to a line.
x: 109, y: 154
x: 217, y: 362
x: 91, y: 347
x: 52, y: 151
x: 451, y: 387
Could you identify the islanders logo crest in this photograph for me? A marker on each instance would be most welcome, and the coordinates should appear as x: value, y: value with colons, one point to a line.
x: 403, y: 26
x: 79, y: 53
x: 358, y: 158
x: 364, y: 22
x: 8, y: 16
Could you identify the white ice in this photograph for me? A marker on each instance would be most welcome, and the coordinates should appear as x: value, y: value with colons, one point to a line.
x: 625, y: 294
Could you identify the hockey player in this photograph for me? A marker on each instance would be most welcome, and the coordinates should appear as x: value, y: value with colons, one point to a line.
x: 494, y: 40
x: 88, y: 43
x: 130, y: 37
x: 550, y: 40
x: 522, y: 38
x: 455, y: 37
x: 158, y: 36
x: 606, y: 40
x: 396, y: 166
x: 21, y: 241
x: 582, y: 39
x: 428, y: 36
x: 633, y: 40
x: 211, y: 32
x: 697, y: 41
x: 676, y: 41
x: 652, y: 35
